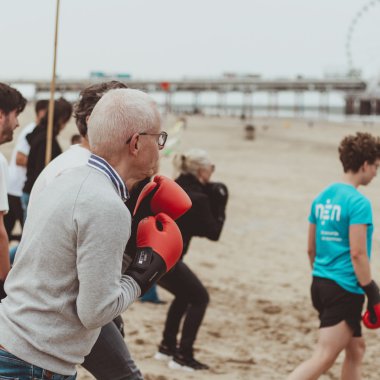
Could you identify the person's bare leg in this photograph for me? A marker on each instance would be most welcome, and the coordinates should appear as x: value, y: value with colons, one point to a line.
x: 352, y: 364
x: 331, y: 341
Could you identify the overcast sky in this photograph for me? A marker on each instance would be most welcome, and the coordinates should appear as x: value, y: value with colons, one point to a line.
x: 176, y: 38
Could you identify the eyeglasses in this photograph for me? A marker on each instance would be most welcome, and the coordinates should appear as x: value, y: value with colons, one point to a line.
x: 161, y: 138
x: 210, y: 167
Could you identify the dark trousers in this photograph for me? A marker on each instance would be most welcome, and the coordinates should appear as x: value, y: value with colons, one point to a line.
x: 14, y: 214
x: 190, y: 303
x: 109, y: 358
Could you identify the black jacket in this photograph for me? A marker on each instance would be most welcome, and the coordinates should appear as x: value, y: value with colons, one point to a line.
x: 199, y: 220
x: 2, y: 292
x: 36, y: 158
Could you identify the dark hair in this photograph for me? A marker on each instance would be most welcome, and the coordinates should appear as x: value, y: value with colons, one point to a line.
x: 11, y: 99
x: 41, y: 105
x: 76, y: 139
x: 354, y: 150
x: 88, y: 99
x: 62, y: 113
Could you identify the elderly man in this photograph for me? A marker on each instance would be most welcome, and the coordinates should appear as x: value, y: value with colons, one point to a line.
x: 12, y: 103
x: 109, y: 358
x: 66, y: 281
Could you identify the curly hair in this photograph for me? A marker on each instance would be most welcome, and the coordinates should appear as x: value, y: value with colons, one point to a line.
x: 88, y: 99
x: 354, y: 150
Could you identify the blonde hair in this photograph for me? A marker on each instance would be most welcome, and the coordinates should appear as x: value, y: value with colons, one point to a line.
x: 190, y: 162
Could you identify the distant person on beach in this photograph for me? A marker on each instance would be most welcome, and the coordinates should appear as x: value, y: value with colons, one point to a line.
x: 37, y: 141
x: 339, y: 248
x: 17, y: 171
x: 205, y: 219
x: 12, y: 103
x: 109, y: 358
x: 67, y: 282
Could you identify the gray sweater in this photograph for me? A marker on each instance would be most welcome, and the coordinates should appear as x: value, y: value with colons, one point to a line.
x: 66, y: 281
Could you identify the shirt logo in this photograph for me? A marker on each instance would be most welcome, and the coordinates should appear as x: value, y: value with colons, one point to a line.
x: 327, y: 211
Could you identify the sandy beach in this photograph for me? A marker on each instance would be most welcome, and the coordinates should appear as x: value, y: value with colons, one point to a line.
x: 260, y: 323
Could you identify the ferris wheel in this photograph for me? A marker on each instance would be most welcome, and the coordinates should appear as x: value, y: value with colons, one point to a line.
x: 362, y: 42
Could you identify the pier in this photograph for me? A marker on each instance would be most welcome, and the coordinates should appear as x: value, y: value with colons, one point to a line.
x: 353, y: 90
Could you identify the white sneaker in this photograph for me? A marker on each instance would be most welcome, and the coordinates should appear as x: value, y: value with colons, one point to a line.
x: 162, y: 357
x: 174, y: 365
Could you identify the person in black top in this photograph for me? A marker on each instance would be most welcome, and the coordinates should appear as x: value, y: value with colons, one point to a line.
x: 204, y: 219
x: 37, y: 141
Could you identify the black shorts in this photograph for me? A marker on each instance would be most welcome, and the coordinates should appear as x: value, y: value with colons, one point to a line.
x: 335, y: 304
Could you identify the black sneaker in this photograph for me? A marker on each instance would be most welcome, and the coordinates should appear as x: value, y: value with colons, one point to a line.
x: 165, y: 352
x: 186, y: 363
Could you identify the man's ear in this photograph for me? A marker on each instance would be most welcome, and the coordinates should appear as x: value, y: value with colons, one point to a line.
x: 134, y: 144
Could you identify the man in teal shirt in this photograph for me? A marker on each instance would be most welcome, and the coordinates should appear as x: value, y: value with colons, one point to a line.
x: 333, y: 212
x: 339, y: 248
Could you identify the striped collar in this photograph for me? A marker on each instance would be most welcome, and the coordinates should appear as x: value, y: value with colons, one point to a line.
x: 103, y: 166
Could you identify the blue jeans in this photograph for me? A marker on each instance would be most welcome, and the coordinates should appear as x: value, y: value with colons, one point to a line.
x: 151, y: 295
x: 12, y: 253
x: 24, y: 203
x: 14, y: 368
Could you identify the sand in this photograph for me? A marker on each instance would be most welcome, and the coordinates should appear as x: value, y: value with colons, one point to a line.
x: 260, y: 323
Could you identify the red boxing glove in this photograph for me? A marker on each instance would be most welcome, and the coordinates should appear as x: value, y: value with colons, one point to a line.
x: 162, y: 195
x: 159, y: 247
x: 371, y: 317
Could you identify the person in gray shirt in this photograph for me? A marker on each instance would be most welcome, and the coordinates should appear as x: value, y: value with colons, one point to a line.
x: 109, y: 358
x: 66, y: 282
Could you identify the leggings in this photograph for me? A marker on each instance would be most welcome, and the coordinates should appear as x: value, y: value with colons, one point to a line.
x: 109, y: 358
x: 190, y: 302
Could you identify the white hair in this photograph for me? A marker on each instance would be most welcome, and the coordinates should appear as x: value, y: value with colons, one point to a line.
x: 191, y: 161
x: 117, y: 116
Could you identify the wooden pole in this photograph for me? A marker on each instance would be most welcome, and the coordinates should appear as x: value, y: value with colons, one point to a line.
x: 49, y: 136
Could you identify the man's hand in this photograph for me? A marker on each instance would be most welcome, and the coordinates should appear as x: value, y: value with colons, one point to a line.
x: 159, y: 247
x: 371, y: 317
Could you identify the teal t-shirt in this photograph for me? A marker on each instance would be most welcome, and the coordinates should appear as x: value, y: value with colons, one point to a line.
x: 333, y: 211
